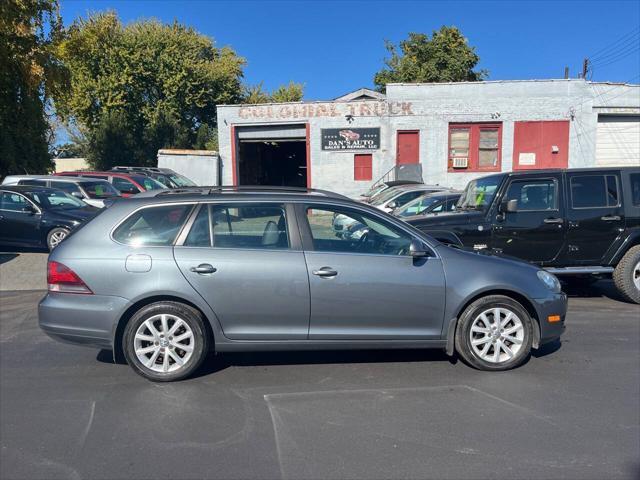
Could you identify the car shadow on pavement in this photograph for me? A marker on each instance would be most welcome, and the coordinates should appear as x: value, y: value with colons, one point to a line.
x: 18, y: 250
x: 547, y: 349
x: 7, y: 257
x: 218, y: 362
x: 599, y: 289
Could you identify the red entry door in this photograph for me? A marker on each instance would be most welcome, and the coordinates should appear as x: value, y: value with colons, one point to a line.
x: 408, y: 147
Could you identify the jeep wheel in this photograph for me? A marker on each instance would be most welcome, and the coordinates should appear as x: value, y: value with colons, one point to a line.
x: 494, y: 333
x: 626, y: 276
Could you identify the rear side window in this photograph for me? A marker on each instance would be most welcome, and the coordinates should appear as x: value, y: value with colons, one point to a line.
x: 67, y: 187
x: 242, y: 226
x: 594, y: 191
x: 33, y: 182
x: 153, y: 226
x: 635, y: 189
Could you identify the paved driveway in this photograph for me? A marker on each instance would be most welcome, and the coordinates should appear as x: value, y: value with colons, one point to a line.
x: 68, y: 412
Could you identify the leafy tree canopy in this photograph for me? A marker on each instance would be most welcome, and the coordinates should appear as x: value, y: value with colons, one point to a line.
x: 445, y: 57
x: 29, y: 74
x: 293, y: 92
x: 140, y: 87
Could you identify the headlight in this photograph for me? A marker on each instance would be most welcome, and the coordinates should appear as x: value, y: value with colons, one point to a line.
x: 550, y: 281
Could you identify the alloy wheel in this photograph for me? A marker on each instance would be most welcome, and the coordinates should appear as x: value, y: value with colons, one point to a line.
x: 635, y: 275
x: 56, y: 238
x: 497, y: 335
x: 164, y: 343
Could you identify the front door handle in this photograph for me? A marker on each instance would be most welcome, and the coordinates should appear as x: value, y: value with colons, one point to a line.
x: 204, y: 269
x: 610, y: 218
x: 325, y: 272
x: 553, y: 220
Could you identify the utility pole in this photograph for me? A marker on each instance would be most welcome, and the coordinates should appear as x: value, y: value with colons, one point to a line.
x: 585, y: 67
x: 566, y: 73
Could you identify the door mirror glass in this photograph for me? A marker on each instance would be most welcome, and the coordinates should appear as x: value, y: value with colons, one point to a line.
x: 509, y: 206
x: 77, y: 195
x: 416, y: 249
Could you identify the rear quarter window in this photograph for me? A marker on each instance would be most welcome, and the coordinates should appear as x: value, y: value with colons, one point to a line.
x: 153, y: 226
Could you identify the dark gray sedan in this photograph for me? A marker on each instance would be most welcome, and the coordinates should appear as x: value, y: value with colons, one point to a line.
x: 169, y: 275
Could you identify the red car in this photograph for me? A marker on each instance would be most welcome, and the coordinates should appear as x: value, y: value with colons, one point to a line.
x: 128, y: 183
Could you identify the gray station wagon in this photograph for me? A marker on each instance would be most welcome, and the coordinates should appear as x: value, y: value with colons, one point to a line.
x: 168, y: 276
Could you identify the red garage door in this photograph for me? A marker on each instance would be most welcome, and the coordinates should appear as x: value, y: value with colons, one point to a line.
x: 538, y: 145
x: 408, y: 147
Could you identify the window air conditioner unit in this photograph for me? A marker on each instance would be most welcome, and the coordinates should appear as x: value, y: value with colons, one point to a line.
x: 460, y: 162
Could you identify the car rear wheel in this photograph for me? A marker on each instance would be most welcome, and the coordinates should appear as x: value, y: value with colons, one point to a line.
x: 626, y: 276
x: 55, y: 236
x: 494, y: 333
x: 165, y: 341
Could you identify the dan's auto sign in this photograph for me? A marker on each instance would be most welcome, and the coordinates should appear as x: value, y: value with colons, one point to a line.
x: 350, y: 138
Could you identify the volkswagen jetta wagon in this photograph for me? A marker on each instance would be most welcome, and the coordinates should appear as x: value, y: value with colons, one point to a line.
x: 168, y: 276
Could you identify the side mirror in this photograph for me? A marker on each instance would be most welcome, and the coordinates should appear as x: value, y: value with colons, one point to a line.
x: 29, y: 209
x: 392, y: 205
x: 509, y: 206
x: 77, y: 195
x: 417, y: 250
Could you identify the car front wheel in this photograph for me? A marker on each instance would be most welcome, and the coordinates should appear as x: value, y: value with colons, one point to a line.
x: 165, y: 341
x: 494, y: 333
x: 55, y: 236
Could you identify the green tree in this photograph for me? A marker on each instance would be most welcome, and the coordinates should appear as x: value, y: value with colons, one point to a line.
x: 29, y: 74
x: 293, y: 92
x: 445, y: 57
x: 152, y: 82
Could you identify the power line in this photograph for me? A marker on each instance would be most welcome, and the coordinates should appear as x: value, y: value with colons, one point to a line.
x: 618, y: 57
x: 612, y: 46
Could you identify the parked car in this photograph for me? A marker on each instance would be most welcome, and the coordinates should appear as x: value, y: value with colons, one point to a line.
x: 32, y: 216
x: 396, y: 197
x: 381, y: 187
x: 91, y: 191
x: 578, y: 223
x: 127, y: 184
x: 167, y: 276
x: 431, y: 203
x: 165, y: 176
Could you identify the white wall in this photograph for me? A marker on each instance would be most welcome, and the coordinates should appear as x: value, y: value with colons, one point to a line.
x: 201, y: 166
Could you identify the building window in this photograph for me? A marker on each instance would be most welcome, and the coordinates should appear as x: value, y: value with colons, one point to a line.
x: 362, y: 166
x: 475, y: 147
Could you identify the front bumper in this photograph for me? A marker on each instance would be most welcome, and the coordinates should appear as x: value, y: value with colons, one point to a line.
x: 555, y: 304
x: 88, y: 320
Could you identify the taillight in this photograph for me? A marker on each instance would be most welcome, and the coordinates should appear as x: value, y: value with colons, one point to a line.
x: 62, y: 279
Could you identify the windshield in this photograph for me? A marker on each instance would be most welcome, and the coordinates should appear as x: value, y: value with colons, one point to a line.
x: 417, y: 206
x: 99, y: 189
x: 56, y: 200
x: 479, y: 193
x: 386, y: 195
x: 181, y: 180
x: 147, y: 182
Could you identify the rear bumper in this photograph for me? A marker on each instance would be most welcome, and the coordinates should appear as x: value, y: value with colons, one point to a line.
x: 88, y: 320
x: 555, y: 304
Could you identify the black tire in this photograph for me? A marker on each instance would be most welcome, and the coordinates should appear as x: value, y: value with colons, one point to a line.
x: 55, y: 236
x: 199, y: 342
x: 623, y: 276
x: 463, y: 334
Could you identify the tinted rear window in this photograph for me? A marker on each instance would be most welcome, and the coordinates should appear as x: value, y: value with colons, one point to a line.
x: 153, y: 226
x: 594, y: 191
x: 635, y: 189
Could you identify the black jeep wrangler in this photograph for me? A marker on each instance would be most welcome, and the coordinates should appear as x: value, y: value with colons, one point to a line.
x: 580, y: 222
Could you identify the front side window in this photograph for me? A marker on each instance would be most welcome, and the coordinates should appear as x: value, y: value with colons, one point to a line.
x: 12, y: 202
x: 363, y: 233
x: 100, y: 190
x: 153, y: 226
x: 148, y: 183
x: 594, y: 191
x: 534, y: 195
x: 474, y: 147
x: 247, y: 226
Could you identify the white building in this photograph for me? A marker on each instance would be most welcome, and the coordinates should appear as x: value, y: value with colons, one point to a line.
x: 455, y: 131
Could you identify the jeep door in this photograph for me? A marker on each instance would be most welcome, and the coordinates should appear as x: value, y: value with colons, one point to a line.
x: 535, y: 231
x: 364, y: 284
x: 246, y: 261
x: 595, y: 215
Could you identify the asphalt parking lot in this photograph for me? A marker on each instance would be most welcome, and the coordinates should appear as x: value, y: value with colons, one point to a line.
x: 571, y: 412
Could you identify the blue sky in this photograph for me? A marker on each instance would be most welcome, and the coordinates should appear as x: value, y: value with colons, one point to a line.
x: 334, y: 47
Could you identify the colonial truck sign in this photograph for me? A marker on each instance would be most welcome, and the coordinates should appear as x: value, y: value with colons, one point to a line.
x: 350, y: 138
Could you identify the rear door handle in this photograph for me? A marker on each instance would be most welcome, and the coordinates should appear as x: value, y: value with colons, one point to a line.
x: 553, y: 220
x: 325, y: 272
x: 204, y: 269
x: 610, y: 218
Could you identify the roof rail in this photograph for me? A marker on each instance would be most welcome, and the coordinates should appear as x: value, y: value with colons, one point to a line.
x: 210, y: 190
